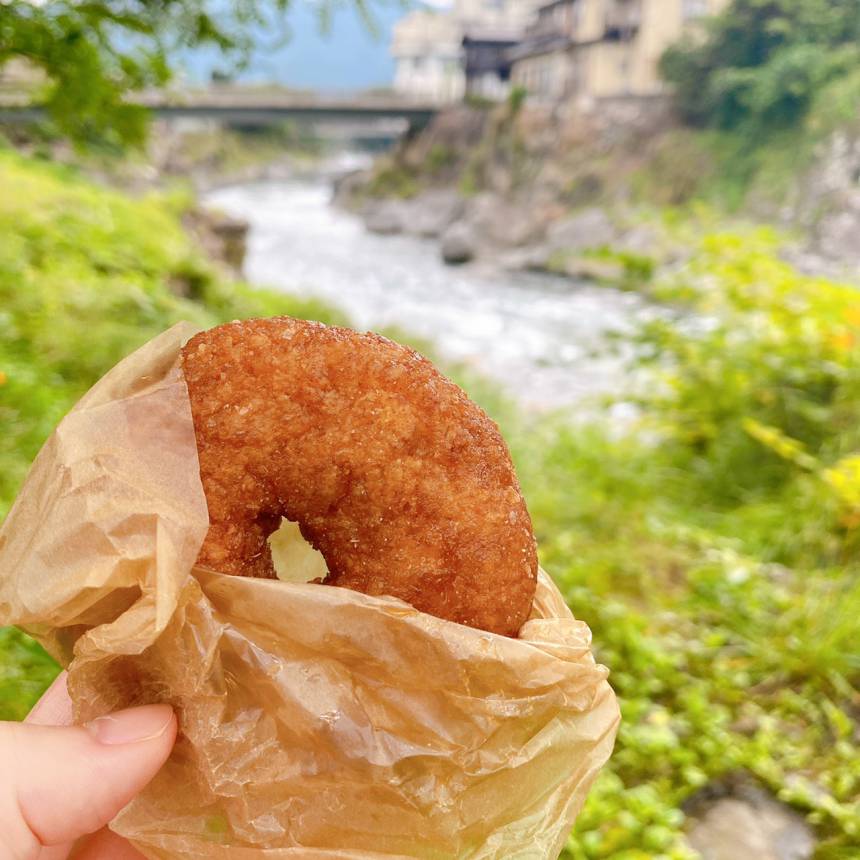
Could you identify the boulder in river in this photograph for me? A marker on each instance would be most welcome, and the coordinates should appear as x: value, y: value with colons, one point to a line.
x: 223, y: 237
x: 458, y: 244
x: 502, y: 223
x: 349, y: 188
x: 386, y: 217
x: 433, y: 212
x: 428, y: 214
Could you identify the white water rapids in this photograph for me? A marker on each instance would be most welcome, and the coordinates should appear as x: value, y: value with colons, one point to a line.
x: 539, y: 336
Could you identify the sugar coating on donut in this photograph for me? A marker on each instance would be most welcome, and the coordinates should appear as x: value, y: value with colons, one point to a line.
x: 402, y: 483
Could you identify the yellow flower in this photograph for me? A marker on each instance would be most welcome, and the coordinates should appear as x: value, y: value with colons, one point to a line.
x: 844, y: 479
x: 3, y: 378
x: 843, y: 342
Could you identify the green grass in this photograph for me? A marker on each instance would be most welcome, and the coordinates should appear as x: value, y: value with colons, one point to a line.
x: 25, y: 672
x: 715, y: 565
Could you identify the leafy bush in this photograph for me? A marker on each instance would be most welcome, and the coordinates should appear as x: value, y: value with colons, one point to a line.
x: 635, y: 270
x: 516, y: 99
x: 25, y: 672
x: 758, y: 397
x: 712, y: 551
x: 767, y: 80
x: 762, y: 61
x: 722, y: 662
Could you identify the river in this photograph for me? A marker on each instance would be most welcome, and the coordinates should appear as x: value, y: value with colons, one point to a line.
x: 540, y: 337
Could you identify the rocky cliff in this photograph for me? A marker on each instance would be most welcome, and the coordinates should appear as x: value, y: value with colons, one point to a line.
x: 595, y: 193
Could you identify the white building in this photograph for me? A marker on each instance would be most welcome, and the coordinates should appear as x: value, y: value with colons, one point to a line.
x: 427, y: 48
x: 602, y: 49
x: 428, y: 44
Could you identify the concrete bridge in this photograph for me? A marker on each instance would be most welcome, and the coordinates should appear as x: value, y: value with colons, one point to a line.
x: 250, y: 106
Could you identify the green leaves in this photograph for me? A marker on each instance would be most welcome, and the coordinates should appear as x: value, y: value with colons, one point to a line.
x: 97, y: 55
x: 767, y: 385
x: 763, y: 61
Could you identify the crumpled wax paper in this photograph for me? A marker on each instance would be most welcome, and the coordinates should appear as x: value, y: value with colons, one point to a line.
x: 316, y: 722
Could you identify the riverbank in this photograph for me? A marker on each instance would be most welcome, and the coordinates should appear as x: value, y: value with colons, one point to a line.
x: 713, y: 552
x: 612, y: 196
x: 541, y: 338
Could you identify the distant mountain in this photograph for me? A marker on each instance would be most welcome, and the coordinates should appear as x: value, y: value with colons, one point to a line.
x: 347, y: 57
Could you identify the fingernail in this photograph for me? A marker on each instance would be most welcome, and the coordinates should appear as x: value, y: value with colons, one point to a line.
x: 132, y: 726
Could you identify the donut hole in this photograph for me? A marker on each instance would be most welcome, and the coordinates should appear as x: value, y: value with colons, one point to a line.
x: 295, y: 560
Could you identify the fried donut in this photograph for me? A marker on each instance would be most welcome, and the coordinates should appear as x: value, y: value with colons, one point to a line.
x: 401, y: 482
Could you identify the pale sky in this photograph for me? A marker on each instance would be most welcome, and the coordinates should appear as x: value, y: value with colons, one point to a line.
x: 347, y: 58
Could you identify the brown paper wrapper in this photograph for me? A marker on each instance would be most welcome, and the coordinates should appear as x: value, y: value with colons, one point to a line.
x: 316, y: 722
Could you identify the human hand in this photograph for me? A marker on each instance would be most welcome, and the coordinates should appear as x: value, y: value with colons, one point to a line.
x: 61, y: 784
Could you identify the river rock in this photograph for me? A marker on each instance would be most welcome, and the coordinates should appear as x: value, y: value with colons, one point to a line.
x: 222, y: 237
x: 528, y: 259
x: 459, y: 244
x: 838, y: 236
x: 428, y: 215
x: 749, y: 824
x: 588, y: 228
x: 386, y: 217
x: 501, y: 222
x: 579, y: 267
x: 348, y: 188
x: 433, y: 212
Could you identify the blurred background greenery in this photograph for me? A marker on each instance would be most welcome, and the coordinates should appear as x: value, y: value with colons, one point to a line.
x: 710, y: 541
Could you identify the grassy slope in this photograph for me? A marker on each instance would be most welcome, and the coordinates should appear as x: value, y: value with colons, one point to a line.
x: 731, y: 644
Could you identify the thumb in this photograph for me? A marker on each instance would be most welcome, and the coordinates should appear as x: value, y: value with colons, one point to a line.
x: 59, y: 784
